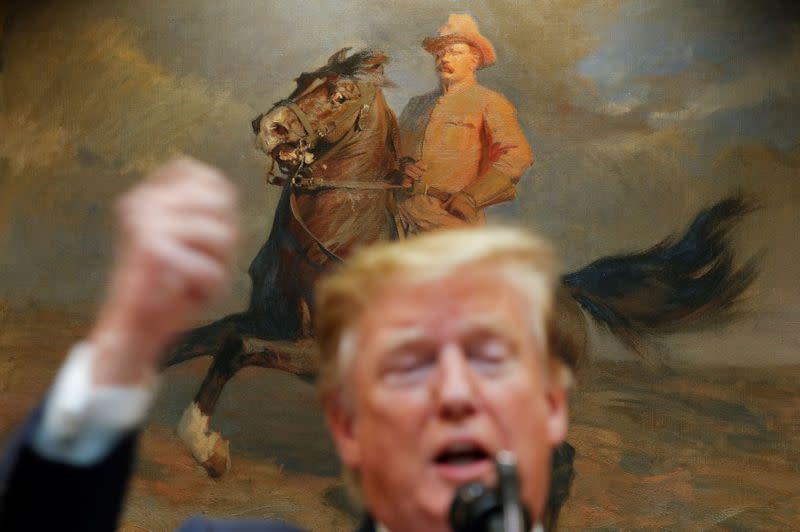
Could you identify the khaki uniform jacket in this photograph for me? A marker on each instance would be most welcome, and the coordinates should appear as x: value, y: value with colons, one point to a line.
x: 461, y: 137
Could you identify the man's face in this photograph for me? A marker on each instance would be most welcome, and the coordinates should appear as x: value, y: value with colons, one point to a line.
x: 455, y: 62
x: 446, y: 374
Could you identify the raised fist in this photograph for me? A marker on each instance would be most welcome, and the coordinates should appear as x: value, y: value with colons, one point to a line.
x: 176, y: 241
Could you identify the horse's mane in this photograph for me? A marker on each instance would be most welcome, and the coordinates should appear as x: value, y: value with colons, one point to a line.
x: 364, y: 65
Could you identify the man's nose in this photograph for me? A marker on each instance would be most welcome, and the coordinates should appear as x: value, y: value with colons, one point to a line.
x: 454, y: 384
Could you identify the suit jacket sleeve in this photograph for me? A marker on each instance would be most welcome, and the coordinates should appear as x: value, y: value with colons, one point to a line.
x: 40, y: 494
x: 202, y: 524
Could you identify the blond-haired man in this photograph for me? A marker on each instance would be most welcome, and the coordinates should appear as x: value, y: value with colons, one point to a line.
x: 469, y: 147
x: 434, y: 357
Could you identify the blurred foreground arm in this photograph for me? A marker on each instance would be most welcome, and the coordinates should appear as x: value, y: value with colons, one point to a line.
x: 177, y: 237
x: 177, y: 233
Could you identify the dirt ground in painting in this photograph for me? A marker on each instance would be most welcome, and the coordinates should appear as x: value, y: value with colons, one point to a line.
x: 689, y: 447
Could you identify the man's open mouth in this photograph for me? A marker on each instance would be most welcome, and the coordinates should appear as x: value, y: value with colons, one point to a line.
x: 458, y: 462
x: 461, y: 453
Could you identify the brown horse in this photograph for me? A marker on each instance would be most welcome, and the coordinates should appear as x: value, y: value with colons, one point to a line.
x: 334, y: 141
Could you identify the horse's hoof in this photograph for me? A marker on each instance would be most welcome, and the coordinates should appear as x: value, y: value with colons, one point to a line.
x: 208, y: 447
x: 219, y: 462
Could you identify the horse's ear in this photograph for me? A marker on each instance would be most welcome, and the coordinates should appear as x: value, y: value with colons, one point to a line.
x: 339, y: 56
x: 256, y: 123
x: 375, y: 61
x: 372, y: 69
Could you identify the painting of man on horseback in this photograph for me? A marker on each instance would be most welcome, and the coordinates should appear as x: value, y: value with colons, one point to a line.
x: 658, y: 155
x: 333, y: 148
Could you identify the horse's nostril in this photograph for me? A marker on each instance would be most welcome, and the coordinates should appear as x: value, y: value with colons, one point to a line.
x: 278, y: 129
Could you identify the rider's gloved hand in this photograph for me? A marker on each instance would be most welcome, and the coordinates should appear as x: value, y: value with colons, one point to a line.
x: 410, y: 172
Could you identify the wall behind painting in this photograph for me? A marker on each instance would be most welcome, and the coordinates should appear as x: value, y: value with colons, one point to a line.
x: 640, y: 113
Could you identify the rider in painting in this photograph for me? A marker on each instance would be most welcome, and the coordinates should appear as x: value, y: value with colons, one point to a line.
x: 469, y: 148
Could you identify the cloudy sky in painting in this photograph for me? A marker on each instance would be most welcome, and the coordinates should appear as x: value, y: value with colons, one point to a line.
x: 640, y: 113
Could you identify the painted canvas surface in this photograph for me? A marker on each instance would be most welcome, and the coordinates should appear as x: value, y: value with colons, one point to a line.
x: 640, y: 114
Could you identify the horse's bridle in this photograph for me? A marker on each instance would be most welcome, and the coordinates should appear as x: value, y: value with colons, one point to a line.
x: 361, y: 108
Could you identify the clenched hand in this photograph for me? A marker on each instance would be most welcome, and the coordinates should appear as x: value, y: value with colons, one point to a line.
x: 177, y: 235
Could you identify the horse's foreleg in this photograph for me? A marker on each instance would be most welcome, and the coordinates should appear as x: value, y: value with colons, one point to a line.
x: 208, y: 446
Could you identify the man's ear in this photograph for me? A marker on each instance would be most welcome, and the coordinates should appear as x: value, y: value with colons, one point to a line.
x: 557, y: 415
x: 341, y: 423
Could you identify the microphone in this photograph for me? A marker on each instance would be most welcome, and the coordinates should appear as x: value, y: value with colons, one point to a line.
x: 480, y: 508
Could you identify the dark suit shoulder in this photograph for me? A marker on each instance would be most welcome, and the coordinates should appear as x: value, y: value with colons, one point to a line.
x: 201, y: 524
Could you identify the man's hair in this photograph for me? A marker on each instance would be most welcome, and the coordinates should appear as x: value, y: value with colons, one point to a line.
x: 521, y: 258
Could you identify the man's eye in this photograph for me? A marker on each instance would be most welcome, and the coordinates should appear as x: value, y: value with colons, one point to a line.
x: 489, y: 352
x: 408, y: 369
x: 339, y: 98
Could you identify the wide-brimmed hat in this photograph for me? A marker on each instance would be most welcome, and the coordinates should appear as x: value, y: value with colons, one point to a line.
x: 462, y: 28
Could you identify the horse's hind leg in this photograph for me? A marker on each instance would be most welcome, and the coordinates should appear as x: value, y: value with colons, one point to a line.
x: 208, y: 446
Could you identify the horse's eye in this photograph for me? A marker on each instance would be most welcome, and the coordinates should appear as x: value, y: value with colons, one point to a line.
x: 339, y: 98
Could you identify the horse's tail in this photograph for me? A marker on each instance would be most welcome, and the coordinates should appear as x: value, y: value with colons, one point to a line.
x: 674, y: 284
x: 208, y: 339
